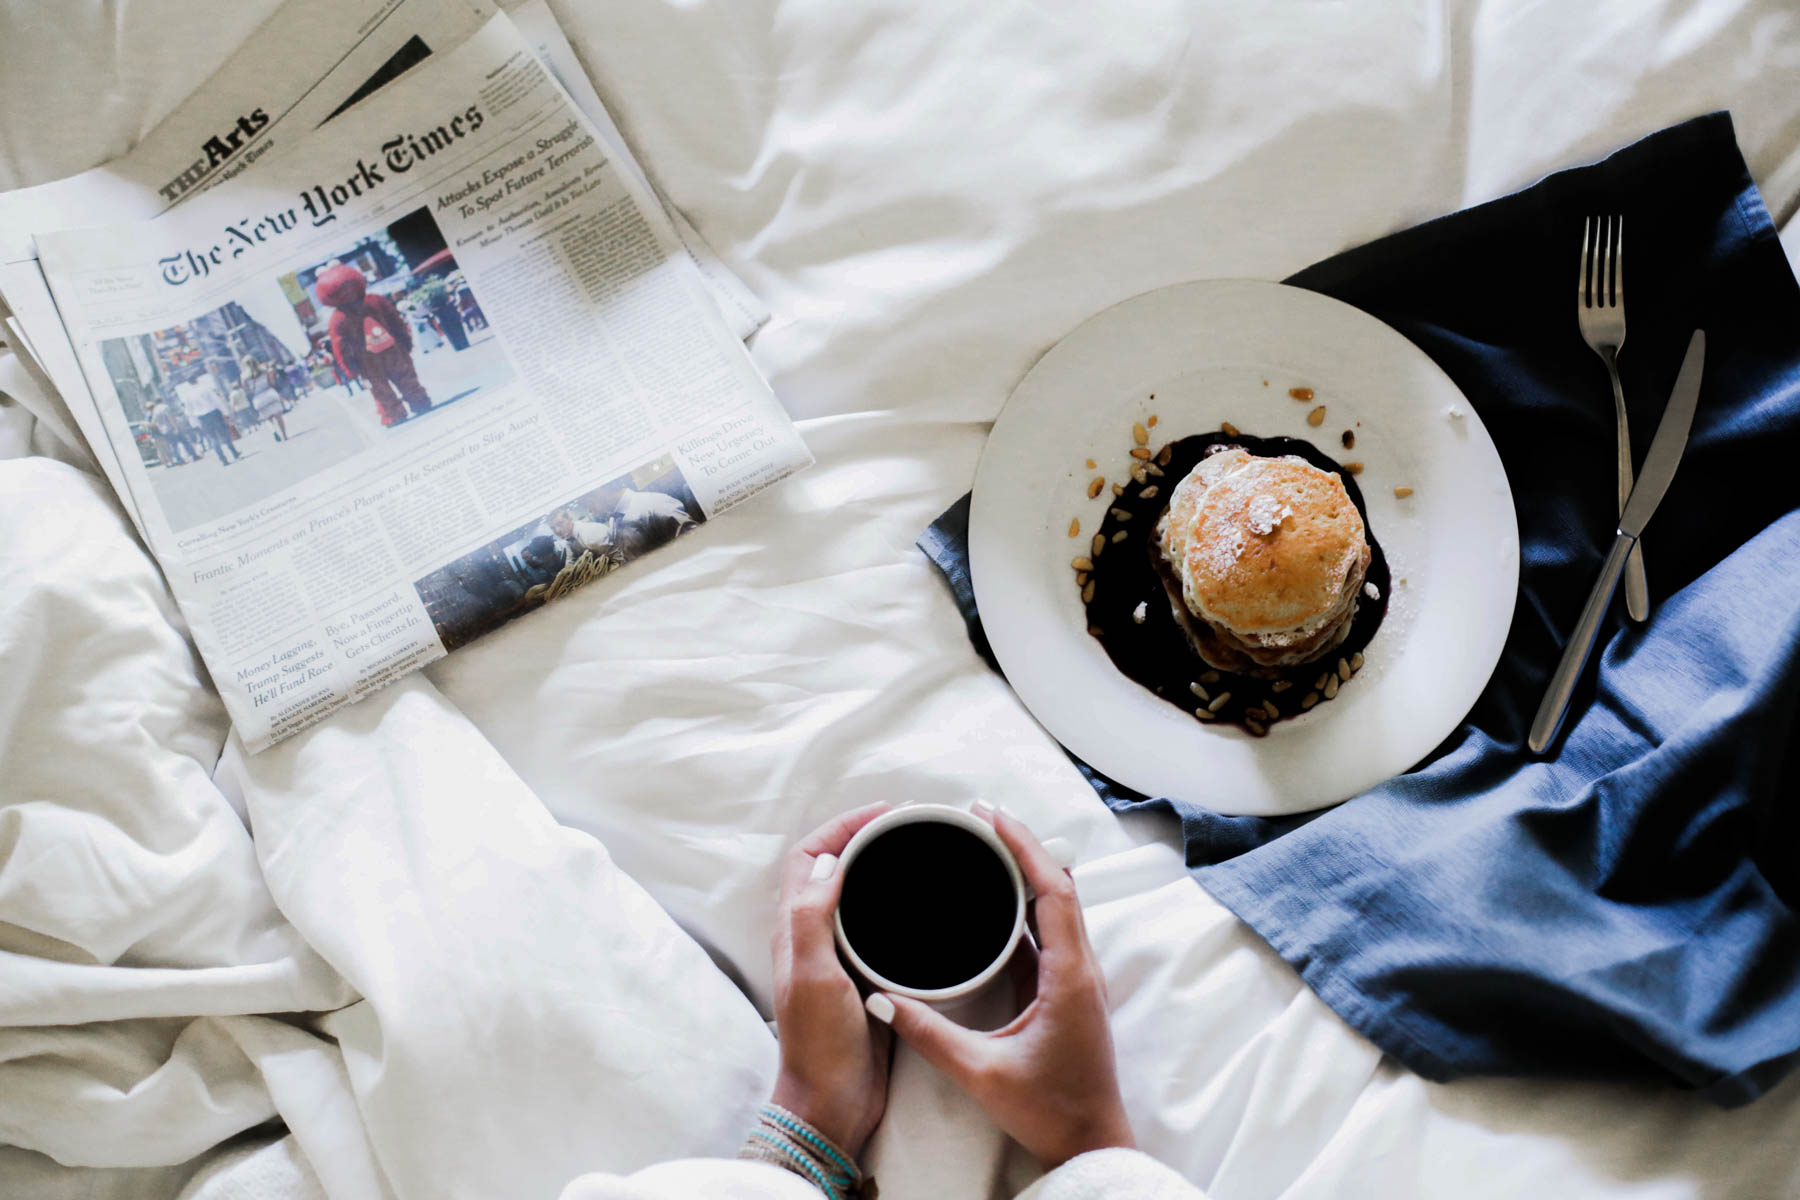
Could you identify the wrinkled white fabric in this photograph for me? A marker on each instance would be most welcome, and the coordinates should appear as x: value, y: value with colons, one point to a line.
x: 1242, y: 1080
x: 261, y: 1170
x: 928, y: 194
x: 309, y: 1087
x: 28, y: 1173
x: 517, y: 986
x: 133, y: 913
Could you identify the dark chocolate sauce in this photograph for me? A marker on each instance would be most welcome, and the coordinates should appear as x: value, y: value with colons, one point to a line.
x: 1157, y: 653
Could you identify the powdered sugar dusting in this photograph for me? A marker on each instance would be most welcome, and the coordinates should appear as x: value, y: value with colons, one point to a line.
x: 1265, y: 513
x: 1222, y: 552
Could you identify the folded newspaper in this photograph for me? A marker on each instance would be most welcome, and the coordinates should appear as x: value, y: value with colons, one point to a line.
x: 436, y: 362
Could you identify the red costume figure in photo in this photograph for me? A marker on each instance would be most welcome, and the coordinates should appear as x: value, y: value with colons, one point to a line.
x: 370, y: 338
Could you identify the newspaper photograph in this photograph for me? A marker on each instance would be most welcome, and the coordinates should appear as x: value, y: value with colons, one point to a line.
x: 297, y: 374
x: 440, y: 363
x: 592, y: 535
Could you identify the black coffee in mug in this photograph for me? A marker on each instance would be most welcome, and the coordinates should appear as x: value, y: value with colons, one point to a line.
x: 928, y: 905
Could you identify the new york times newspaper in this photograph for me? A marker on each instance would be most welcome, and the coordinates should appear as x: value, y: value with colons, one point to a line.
x: 305, y: 66
x: 441, y: 363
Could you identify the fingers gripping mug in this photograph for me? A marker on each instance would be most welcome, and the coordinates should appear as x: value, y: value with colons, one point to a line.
x: 933, y: 903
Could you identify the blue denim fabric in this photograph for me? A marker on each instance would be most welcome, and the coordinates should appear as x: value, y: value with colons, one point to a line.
x: 1626, y: 908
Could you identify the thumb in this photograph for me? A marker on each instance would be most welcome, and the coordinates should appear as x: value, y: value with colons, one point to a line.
x: 943, y: 1043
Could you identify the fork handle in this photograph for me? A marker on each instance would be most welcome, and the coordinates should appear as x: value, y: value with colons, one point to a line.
x: 1637, y: 587
x: 1550, y: 713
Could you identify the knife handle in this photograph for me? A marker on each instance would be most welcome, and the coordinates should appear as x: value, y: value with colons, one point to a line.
x: 1549, y: 719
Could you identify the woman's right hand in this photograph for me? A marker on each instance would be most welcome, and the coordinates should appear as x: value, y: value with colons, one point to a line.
x: 1047, y: 1078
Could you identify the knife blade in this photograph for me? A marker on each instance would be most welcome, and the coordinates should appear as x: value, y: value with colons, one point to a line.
x: 1670, y: 441
x: 1652, y: 482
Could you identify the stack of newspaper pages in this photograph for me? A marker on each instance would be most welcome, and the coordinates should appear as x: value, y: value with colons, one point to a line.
x: 396, y: 343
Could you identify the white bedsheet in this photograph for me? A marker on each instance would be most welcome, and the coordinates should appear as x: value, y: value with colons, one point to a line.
x: 471, y: 872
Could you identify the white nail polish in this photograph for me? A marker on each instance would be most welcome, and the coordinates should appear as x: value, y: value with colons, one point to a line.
x: 1005, y: 811
x: 823, y: 866
x: 1061, y: 851
x: 880, y: 1007
x: 982, y: 809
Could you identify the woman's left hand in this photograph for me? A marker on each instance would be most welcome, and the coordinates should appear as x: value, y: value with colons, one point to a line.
x: 834, y: 1060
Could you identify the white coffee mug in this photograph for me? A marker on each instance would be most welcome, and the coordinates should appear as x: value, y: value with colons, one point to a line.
x: 960, y: 819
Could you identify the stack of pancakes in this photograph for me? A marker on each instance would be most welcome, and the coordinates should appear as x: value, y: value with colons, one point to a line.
x: 1263, y: 559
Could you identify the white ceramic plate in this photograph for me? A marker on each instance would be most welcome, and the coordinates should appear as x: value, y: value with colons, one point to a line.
x: 1204, y: 350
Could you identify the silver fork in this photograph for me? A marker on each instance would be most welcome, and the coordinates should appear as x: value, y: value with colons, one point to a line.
x: 1601, y: 313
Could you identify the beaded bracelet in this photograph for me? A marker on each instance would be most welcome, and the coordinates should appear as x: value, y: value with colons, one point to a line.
x: 791, y: 1143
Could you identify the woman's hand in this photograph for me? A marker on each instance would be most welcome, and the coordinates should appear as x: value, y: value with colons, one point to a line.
x: 1047, y: 1078
x: 834, y: 1060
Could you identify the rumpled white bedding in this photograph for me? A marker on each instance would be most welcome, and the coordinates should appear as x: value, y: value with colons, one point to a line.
x: 507, y: 922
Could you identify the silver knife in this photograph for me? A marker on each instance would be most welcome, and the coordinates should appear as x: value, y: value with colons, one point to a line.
x: 1652, y: 482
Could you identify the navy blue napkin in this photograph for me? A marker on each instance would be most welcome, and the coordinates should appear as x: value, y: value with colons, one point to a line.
x: 1625, y: 909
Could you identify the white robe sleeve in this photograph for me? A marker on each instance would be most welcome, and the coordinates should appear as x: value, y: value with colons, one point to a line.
x: 686, y: 1179
x: 1099, y: 1175
x: 1112, y: 1175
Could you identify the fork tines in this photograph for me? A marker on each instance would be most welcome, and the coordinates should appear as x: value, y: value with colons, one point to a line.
x: 1602, y: 261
